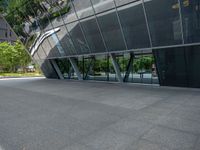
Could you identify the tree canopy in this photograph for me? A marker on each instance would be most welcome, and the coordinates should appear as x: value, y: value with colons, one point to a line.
x: 13, y: 56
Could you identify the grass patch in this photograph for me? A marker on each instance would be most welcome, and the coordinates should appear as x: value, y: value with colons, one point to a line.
x: 35, y: 74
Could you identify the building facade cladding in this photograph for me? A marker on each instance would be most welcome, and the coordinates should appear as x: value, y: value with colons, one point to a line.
x: 95, y: 29
x: 6, y: 34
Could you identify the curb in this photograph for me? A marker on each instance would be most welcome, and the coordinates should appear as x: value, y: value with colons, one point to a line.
x: 12, y: 77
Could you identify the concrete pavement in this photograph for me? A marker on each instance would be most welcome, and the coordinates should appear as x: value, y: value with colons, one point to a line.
x: 41, y: 114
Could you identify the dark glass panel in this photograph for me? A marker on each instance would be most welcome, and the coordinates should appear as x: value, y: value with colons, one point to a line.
x: 111, y: 31
x: 164, y: 22
x: 65, y: 40
x: 78, y: 38
x: 93, y: 35
x: 171, y: 64
x: 193, y: 69
x: 134, y: 26
x: 191, y: 20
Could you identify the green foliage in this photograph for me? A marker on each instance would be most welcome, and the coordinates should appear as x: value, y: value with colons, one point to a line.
x: 143, y: 63
x: 18, y: 12
x: 13, y: 56
x: 1, y: 5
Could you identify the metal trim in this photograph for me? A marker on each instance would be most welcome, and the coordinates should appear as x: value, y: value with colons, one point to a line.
x: 120, y: 25
x: 57, y: 69
x: 181, y: 21
x: 147, y: 23
x: 79, y: 22
x: 99, y: 26
x: 116, y: 68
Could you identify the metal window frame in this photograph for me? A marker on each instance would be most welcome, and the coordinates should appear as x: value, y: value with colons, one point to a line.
x: 65, y: 25
x: 116, y: 68
x: 181, y: 21
x: 57, y: 69
x: 147, y: 23
x: 120, y: 25
x: 41, y: 30
x: 48, y: 14
x: 82, y: 30
x: 75, y: 67
x: 98, y: 25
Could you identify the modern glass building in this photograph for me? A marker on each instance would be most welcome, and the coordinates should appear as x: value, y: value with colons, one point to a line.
x: 139, y: 41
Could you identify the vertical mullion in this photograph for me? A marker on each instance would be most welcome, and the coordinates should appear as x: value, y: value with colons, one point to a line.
x: 181, y: 21
x: 99, y: 26
x: 121, y: 28
x: 81, y: 27
x: 65, y: 25
x: 147, y: 23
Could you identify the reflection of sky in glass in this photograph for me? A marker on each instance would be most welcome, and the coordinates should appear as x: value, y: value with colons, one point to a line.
x: 41, y: 38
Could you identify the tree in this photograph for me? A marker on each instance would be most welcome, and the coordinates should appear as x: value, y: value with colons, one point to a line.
x: 6, y: 56
x: 13, y: 56
x: 22, y: 56
x: 143, y: 63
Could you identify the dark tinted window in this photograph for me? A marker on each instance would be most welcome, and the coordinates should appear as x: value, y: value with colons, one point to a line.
x: 164, y: 22
x: 134, y: 25
x: 111, y: 31
x: 78, y: 38
x: 93, y: 35
x: 191, y: 20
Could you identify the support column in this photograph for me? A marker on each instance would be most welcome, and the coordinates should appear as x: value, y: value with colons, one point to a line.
x: 92, y: 61
x: 129, y: 67
x: 75, y: 67
x: 116, y: 67
x: 60, y: 75
x: 70, y: 72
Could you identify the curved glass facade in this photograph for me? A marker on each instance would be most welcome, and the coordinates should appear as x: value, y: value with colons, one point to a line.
x: 57, y: 29
x: 71, y: 27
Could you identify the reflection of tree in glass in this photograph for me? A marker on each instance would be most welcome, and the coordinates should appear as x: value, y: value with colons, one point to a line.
x: 20, y: 11
x: 28, y: 17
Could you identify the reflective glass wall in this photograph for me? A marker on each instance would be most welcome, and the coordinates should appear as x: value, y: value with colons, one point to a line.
x: 70, y: 27
x: 90, y: 30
